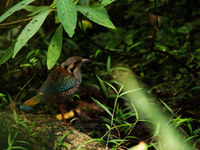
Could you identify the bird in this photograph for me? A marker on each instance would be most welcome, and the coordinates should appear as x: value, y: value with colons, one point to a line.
x: 60, y: 84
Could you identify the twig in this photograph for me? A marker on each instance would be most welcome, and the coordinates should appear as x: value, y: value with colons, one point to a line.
x: 13, y: 104
x: 99, y: 46
x: 23, y: 87
x: 15, y: 22
x: 7, y: 3
x: 178, y: 61
x: 171, y: 57
x: 142, y: 53
x: 42, y: 66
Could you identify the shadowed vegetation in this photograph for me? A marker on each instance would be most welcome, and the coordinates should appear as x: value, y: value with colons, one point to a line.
x: 158, y: 40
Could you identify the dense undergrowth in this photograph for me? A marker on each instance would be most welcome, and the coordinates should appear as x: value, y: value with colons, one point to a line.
x: 157, y: 40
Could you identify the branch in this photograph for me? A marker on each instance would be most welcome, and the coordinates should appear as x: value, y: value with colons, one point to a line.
x: 13, y: 104
x: 142, y: 53
x: 178, y: 61
x: 15, y: 22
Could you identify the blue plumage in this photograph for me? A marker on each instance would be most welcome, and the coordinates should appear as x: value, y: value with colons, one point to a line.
x: 25, y: 107
x: 57, y: 82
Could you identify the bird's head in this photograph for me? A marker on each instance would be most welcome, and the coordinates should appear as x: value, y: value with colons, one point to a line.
x: 73, y: 64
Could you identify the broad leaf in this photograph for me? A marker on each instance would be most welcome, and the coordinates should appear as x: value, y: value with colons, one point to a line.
x: 96, y: 15
x: 7, y: 54
x: 55, y: 47
x: 67, y: 15
x: 31, y: 28
x: 15, y: 8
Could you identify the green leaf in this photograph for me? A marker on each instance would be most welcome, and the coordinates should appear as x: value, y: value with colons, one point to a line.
x: 113, y: 43
x: 96, y: 15
x: 108, y: 126
x: 9, y: 140
x: 31, y: 28
x: 24, y: 142
x: 134, y: 45
x: 15, y: 8
x: 108, y: 65
x: 55, y: 47
x: 67, y: 15
x: 130, y: 91
x: 63, y: 137
x: 89, y: 141
x: 196, y: 131
x: 18, y: 147
x: 103, y: 87
x: 2, y: 95
x: 102, y: 106
x: 112, y: 87
x: 190, y: 127
x: 7, y: 54
x: 34, y: 9
x: 168, y: 108
x: 106, y: 2
x: 182, y: 120
x: 184, y: 30
x: 161, y: 47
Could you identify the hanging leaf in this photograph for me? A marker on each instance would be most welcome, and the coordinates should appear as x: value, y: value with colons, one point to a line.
x: 67, y: 15
x: 7, y: 54
x: 15, y: 8
x: 55, y: 47
x: 31, y: 28
x: 96, y: 15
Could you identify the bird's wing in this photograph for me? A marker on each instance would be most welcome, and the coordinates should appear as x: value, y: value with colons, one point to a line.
x: 59, y: 80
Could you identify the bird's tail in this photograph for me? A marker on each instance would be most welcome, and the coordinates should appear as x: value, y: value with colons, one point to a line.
x: 33, y: 101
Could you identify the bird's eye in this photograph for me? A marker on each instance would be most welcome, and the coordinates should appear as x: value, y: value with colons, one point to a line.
x: 66, y: 67
x: 76, y: 63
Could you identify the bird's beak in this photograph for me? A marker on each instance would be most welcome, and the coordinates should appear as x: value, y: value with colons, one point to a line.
x: 85, y: 60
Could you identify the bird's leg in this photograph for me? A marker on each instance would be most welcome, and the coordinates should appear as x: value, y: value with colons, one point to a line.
x: 60, y: 108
